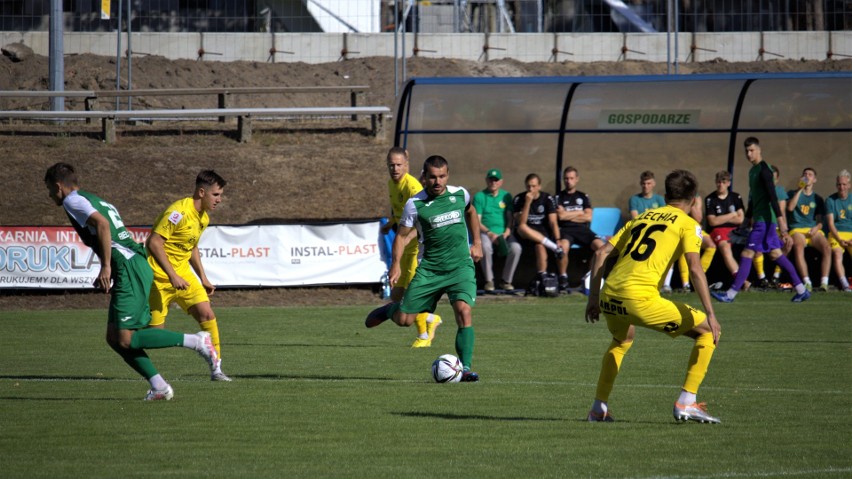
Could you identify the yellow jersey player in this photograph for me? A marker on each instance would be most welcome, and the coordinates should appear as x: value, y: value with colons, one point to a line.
x: 401, y: 187
x: 637, y: 259
x: 173, y: 255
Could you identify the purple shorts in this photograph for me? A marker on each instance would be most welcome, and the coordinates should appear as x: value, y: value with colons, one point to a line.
x: 763, y: 237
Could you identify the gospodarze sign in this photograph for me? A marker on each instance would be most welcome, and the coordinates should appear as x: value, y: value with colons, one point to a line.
x: 276, y: 255
x: 648, y: 119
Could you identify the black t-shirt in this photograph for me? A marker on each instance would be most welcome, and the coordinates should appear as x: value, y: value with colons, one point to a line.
x: 539, y: 209
x: 713, y: 205
x: 576, y: 201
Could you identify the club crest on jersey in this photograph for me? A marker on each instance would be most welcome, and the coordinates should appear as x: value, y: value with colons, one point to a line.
x: 446, y: 219
x: 452, y: 199
x: 175, y: 217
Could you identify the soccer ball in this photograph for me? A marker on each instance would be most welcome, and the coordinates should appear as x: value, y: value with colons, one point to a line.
x: 447, y: 369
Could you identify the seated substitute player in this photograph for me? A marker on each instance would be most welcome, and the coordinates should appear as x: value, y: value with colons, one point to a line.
x: 494, y: 206
x: 636, y: 259
x: 838, y: 215
x: 574, y: 214
x: 725, y: 213
x: 173, y: 256
x: 764, y: 210
x: 805, y: 211
x: 444, y: 214
x: 126, y: 276
x: 535, y: 221
x: 402, y: 186
x: 644, y: 201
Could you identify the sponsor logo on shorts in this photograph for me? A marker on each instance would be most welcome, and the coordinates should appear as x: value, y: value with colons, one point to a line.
x: 614, y: 306
x: 671, y: 327
x: 126, y: 319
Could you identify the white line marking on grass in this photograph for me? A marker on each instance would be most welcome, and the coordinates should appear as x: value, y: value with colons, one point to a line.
x: 809, y: 472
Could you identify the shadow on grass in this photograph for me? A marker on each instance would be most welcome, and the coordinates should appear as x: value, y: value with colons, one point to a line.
x: 59, y: 378
x: 11, y: 398
x: 313, y: 378
x: 455, y: 417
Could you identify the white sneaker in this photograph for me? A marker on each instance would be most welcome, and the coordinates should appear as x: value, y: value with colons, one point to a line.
x: 160, y: 395
x: 217, y: 375
x: 206, y: 349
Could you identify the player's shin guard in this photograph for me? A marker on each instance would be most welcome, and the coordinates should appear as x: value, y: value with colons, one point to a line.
x: 154, y: 338
x: 707, y: 258
x: 609, y: 368
x: 464, y: 345
x: 213, y: 328
x: 699, y: 361
x: 420, y: 323
x: 138, y: 360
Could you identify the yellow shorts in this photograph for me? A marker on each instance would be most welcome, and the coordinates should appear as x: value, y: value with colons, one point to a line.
x: 407, y: 266
x: 844, y: 235
x: 804, y: 232
x: 660, y: 314
x: 163, y: 294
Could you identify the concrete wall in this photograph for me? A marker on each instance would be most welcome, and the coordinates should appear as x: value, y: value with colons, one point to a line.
x: 579, y: 47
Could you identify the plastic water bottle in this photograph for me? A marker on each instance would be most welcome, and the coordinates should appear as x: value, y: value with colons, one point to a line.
x: 386, y: 288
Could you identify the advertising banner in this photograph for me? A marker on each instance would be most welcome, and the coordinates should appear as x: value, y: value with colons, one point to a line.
x: 268, y: 255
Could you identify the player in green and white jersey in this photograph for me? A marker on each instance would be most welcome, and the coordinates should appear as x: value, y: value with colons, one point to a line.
x: 444, y: 215
x: 126, y: 275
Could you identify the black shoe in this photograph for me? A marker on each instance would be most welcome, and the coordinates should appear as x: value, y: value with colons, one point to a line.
x: 563, y: 283
x: 763, y: 284
x: 469, y: 377
x: 377, y: 316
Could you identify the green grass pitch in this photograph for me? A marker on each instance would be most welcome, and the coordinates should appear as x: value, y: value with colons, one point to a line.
x: 315, y: 394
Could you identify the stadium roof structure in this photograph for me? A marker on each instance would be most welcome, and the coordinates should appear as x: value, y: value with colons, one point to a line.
x: 615, y: 127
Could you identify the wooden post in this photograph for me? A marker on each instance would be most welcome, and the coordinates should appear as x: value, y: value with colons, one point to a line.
x: 108, y: 128
x: 244, y: 129
x: 353, y: 101
x: 378, y: 124
x: 223, y: 104
x: 90, y: 103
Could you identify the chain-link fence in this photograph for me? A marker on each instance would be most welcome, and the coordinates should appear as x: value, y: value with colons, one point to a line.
x: 435, y: 16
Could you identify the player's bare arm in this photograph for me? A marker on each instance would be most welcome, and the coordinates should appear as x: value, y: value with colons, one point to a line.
x: 101, y: 225
x: 198, y: 267
x: 600, y: 264
x: 473, y: 225
x: 156, y: 245
x: 403, y: 235
x: 699, y: 282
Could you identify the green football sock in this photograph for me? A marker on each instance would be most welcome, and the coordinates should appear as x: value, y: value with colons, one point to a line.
x: 138, y: 360
x: 464, y: 345
x: 154, y: 338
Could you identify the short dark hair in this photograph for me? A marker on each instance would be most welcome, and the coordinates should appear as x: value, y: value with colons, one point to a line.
x: 776, y: 170
x: 752, y: 140
x: 208, y: 178
x: 723, y: 175
x: 681, y: 185
x: 646, y: 175
x: 809, y: 169
x: 531, y: 176
x: 61, y: 173
x: 569, y: 169
x: 435, y: 161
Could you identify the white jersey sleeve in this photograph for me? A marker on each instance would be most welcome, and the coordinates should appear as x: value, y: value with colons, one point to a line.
x: 409, y: 214
x: 78, y: 208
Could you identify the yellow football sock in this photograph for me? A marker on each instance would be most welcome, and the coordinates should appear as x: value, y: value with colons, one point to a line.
x: 420, y: 322
x: 609, y: 368
x: 683, y: 268
x: 699, y: 361
x: 212, y: 328
x: 707, y: 258
x: 758, y: 266
x: 777, y: 272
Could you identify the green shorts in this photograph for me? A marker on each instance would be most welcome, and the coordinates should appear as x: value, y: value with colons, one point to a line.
x: 428, y: 286
x: 128, y: 306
